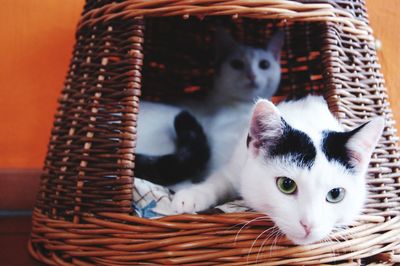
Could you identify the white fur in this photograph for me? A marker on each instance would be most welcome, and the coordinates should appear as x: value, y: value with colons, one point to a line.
x: 155, y: 128
x: 252, y: 174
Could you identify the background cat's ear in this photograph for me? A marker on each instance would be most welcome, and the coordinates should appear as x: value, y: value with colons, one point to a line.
x: 224, y: 43
x: 363, y: 141
x: 266, y: 124
x: 275, y: 44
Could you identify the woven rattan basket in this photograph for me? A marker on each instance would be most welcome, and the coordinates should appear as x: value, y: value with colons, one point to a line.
x: 83, y: 214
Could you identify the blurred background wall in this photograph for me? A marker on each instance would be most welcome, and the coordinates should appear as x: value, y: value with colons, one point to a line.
x: 35, y: 48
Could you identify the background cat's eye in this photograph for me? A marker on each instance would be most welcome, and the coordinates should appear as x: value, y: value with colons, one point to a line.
x: 286, y: 185
x: 264, y: 64
x: 237, y: 64
x: 335, y: 195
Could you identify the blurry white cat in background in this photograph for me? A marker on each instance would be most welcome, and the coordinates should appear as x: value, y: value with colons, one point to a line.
x: 298, y: 167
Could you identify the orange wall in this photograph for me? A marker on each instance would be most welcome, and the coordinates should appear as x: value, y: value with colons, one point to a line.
x: 384, y: 16
x: 35, y: 49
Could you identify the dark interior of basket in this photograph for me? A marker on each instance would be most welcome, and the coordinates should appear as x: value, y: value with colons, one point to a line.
x: 179, y: 54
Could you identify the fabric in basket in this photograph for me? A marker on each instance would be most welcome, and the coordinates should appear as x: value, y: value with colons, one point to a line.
x: 155, y: 201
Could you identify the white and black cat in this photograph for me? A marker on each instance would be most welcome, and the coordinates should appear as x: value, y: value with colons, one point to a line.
x: 294, y: 163
x: 243, y: 74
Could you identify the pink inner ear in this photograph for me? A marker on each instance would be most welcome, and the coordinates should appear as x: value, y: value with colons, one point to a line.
x: 256, y: 125
x: 255, y: 147
x: 355, y: 157
x: 365, y: 144
x: 255, y: 131
x: 363, y: 147
x: 361, y: 144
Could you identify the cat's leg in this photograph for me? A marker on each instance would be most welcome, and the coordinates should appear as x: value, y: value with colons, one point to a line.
x: 218, y: 186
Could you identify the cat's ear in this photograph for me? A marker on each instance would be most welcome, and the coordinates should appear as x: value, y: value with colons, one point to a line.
x: 275, y: 44
x: 362, y: 142
x: 224, y: 43
x: 266, y: 125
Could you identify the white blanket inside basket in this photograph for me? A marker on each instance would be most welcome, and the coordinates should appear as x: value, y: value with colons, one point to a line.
x: 154, y: 201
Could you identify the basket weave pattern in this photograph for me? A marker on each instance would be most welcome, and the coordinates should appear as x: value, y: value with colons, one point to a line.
x: 83, y: 214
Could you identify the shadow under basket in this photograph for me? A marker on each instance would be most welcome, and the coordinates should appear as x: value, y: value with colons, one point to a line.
x: 162, y: 50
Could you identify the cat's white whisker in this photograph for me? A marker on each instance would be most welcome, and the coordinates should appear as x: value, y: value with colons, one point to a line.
x: 271, y: 232
x: 262, y: 218
x: 277, y: 236
x: 254, y: 242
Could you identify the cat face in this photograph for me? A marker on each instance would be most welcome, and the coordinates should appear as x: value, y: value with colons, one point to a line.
x: 244, y: 72
x: 306, y: 215
x: 308, y: 186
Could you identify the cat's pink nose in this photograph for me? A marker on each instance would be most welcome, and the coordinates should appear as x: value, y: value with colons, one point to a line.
x: 307, y: 227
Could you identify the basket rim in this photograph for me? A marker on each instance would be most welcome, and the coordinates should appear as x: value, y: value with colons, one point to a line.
x: 284, y: 10
x: 365, y: 238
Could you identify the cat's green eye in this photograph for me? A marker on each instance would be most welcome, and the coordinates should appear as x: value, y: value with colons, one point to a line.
x: 335, y: 195
x: 286, y: 185
x: 237, y: 64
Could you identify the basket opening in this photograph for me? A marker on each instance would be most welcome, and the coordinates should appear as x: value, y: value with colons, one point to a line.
x: 179, y: 55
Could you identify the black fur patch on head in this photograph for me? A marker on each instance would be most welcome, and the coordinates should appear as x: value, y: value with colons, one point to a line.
x: 333, y: 146
x: 297, y: 145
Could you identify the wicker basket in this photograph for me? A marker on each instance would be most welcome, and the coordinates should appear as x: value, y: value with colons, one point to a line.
x: 83, y: 214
